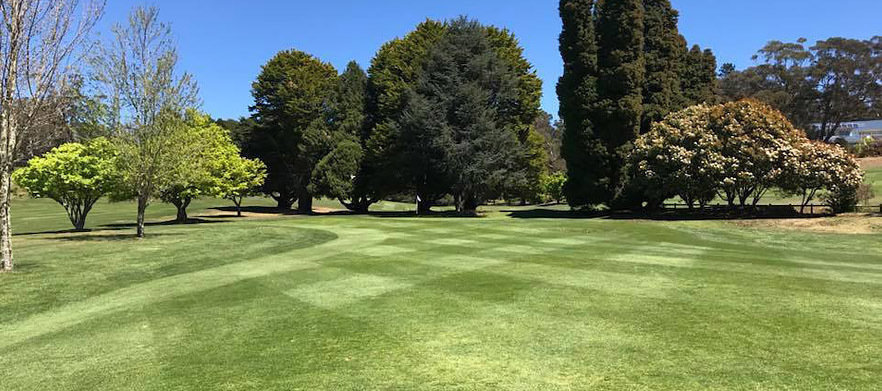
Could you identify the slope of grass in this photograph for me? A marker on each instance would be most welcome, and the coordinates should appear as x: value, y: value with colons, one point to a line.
x: 393, y: 302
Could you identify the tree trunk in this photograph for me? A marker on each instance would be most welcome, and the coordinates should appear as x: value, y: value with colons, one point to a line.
x: 469, y: 205
x: 238, y: 202
x: 425, y: 206
x: 142, y: 209
x: 5, y: 225
x: 304, y: 203
x: 284, y: 202
x: 181, y: 206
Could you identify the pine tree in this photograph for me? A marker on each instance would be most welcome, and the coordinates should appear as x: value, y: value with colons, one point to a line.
x: 586, y: 157
x: 621, y: 65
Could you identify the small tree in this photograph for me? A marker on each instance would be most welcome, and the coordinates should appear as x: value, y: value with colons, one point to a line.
x: 236, y: 177
x: 74, y: 175
x: 204, y: 144
x: 554, y: 186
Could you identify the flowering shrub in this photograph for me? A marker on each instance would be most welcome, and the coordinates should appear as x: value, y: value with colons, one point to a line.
x: 823, y: 166
x: 738, y: 151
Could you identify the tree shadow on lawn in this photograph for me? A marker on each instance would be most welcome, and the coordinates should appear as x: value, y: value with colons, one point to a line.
x: 722, y: 213
x: 107, y: 237
x: 269, y: 210
x: 117, y: 227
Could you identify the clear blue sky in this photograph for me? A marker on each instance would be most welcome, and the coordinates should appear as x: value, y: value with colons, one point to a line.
x: 224, y: 42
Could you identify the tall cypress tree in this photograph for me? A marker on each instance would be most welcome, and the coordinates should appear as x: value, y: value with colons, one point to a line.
x: 586, y: 157
x: 699, y: 76
x: 665, y: 51
x: 621, y: 64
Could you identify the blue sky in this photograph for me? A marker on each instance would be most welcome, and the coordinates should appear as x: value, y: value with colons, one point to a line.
x: 224, y: 42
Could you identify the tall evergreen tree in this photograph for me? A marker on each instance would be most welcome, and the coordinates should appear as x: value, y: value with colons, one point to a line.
x: 699, y: 78
x: 350, y: 120
x: 585, y: 155
x: 621, y: 65
x: 472, y: 98
x: 293, y: 95
x: 665, y: 51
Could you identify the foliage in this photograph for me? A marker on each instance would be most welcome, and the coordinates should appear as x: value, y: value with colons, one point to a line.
x: 395, y: 73
x: 147, y: 97
x: 625, y: 66
x: 209, y: 151
x: 293, y: 98
x: 868, y: 147
x: 738, y: 150
x: 235, y: 177
x: 823, y: 166
x: 817, y: 87
x: 554, y: 186
x: 679, y: 157
x: 74, y: 175
x: 464, y: 107
x: 344, y: 173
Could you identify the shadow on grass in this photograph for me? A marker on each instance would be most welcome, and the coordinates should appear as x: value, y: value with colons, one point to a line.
x: 724, y: 213
x: 107, y: 237
x: 195, y: 221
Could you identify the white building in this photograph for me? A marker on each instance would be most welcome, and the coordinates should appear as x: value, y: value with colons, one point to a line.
x: 855, y: 131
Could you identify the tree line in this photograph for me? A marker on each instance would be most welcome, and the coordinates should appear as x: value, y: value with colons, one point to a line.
x: 449, y: 110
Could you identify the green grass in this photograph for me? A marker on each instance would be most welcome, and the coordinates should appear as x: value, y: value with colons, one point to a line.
x: 394, y: 302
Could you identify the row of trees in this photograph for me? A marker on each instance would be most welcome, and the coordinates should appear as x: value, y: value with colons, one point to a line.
x: 738, y: 151
x: 817, y: 87
x: 625, y: 67
x: 450, y: 109
x: 77, y: 175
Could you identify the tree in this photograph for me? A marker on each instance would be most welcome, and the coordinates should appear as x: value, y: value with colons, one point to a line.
x: 551, y: 140
x: 74, y: 175
x: 821, y: 167
x: 235, y: 177
x: 699, y: 78
x: 292, y: 99
x: 738, y: 150
x: 394, y: 74
x: 554, y: 186
x: 621, y: 75
x: 586, y: 157
x: 206, y: 146
x: 680, y: 156
x: 818, y: 87
x: 37, y: 38
x: 665, y: 54
x: 473, y: 94
x: 137, y: 72
x: 339, y: 180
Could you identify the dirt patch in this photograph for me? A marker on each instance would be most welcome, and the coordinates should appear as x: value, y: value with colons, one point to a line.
x: 842, y: 224
x: 870, y: 162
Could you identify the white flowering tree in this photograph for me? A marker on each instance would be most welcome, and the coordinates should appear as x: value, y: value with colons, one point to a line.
x: 680, y: 157
x: 821, y: 167
x: 738, y: 151
x: 759, y: 145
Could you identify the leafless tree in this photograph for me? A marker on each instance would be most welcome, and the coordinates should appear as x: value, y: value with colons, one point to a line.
x: 40, y: 42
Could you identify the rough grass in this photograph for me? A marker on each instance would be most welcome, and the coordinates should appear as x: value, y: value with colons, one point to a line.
x: 395, y: 302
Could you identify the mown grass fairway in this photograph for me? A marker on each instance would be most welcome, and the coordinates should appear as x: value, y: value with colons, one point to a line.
x: 396, y: 302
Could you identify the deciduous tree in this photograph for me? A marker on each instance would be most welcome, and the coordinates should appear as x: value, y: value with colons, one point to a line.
x: 37, y: 40
x: 74, y: 175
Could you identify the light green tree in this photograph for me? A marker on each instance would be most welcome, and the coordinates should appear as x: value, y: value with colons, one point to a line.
x: 74, y: 175
x: 236, y: 177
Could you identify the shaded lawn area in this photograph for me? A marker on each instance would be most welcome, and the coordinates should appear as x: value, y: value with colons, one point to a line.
x: 364, y: 302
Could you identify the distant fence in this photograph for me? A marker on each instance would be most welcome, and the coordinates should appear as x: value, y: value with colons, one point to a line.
x: 809, y: 209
